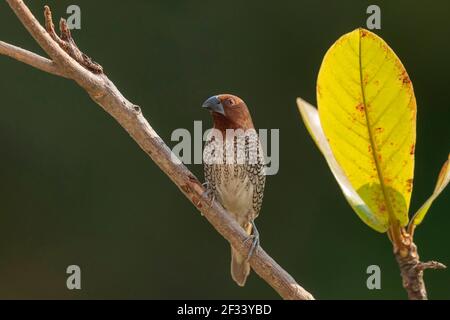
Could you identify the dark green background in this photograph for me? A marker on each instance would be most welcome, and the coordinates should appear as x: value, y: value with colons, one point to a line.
x: 75, y: 189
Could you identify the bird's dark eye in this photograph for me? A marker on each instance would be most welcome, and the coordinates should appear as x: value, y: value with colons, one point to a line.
x: 230, y: 102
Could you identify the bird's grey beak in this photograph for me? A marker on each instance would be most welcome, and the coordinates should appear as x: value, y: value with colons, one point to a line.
x: 214, y: 104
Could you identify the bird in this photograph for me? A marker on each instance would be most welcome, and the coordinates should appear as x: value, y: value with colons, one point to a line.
x: 234, y: 170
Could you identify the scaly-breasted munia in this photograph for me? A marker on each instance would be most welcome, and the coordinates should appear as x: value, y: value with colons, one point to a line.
x: 234, y: 170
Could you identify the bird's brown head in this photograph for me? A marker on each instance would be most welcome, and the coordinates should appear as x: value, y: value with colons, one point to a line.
x: 228, y: 112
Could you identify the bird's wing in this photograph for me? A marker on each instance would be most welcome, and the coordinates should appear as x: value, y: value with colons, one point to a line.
x: 254, y: 166
x: 208, y: 163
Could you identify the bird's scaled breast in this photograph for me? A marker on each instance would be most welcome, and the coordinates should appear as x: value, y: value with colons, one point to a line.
x: 234, y: 189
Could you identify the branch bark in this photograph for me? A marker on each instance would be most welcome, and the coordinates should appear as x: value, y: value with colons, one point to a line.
x: 411, y: 268
x: 70, y: 63
x: 30, y: 58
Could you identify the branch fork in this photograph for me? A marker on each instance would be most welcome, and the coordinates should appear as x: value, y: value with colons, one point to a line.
x: 411, y: 268
x: 66, y: 42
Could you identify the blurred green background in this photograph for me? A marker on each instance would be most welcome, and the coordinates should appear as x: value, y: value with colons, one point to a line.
x: 75, y: 188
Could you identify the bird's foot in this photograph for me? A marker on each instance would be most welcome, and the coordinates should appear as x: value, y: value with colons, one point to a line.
x: 255, y: 241
x: 209, y: 193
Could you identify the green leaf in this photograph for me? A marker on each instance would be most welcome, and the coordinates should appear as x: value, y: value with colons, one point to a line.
x: 311, y: 119
x: 442, y: 182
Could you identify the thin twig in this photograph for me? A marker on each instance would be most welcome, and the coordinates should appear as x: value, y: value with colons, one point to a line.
x: 30, y: 58
x: 411, y: 268
x: 67, y: 43
x: 130, y: 117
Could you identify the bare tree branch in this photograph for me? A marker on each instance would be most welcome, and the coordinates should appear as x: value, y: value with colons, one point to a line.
x: 130, y: 117
x: 30, y: 58
x: 411, y: 268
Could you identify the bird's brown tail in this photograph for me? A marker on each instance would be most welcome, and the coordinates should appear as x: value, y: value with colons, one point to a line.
x: 240, y: 268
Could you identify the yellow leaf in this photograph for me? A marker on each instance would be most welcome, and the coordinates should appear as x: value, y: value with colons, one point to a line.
x: 367, y: 110
x: 311, y: 119
x: 442, y: 182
